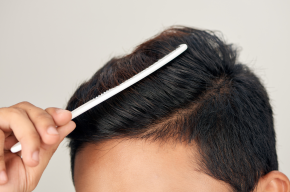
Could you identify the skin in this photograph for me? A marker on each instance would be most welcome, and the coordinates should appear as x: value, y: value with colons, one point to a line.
x: 128, y: 165
x: 115, y: 165
x: 36, y: 130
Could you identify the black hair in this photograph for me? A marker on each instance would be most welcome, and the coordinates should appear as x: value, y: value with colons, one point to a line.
x: 204, y: 96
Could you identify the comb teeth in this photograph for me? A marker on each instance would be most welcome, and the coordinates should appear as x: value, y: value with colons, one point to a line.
x: 160, y: 60
x: 113, y: 91
x: 129, y: 82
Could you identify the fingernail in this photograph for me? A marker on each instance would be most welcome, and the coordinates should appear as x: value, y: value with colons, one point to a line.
x: 35, y: 156
x: 52, y: 131
x: 3, y: 176
x: 60, y: 111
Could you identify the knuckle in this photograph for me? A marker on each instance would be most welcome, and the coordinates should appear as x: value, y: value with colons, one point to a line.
x: 43, y: 116
x: 43, y: 121
x: 16, y: 111
x: 23, y: 103
x: 50, y: 110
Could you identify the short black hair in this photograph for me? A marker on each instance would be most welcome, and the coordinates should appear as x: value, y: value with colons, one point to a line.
x: 204, y: 96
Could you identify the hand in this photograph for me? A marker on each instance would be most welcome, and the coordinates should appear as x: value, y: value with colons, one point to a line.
x: 39, y: 132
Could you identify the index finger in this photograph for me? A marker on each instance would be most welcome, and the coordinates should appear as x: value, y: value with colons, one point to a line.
x: 60, y: 116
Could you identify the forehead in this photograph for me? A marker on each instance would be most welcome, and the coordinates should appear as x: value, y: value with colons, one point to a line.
x: 139, y: 165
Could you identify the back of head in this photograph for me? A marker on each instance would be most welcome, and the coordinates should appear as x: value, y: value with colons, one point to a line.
x: 203, y: 96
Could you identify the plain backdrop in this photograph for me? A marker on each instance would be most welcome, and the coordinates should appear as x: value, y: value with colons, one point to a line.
x: 48, y: 47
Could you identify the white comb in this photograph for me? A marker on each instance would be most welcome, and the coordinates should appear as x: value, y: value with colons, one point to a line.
x: 111, y: 92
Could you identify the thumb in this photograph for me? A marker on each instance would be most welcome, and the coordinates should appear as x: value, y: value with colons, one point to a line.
x: 60, y: 116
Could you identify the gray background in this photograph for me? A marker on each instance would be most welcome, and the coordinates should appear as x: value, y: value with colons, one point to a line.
x: 48, y: 47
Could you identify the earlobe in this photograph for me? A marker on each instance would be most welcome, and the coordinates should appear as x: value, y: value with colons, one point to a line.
x: 274, y: 181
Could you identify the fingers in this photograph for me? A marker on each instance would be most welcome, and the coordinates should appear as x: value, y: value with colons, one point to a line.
x: 60, y: 116
x: 63, y: 132
x: 46, y: 153
x: 17, y: 120
x: 42, y: 121
x: 3, y: 175
x: 39, y: 131
x: 31, y: 126
x: 66, y: 129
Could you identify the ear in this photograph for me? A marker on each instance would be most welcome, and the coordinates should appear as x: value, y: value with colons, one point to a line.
x: 274, y: 181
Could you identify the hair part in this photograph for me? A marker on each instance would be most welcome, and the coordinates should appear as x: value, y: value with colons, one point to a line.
x: 204, y: 96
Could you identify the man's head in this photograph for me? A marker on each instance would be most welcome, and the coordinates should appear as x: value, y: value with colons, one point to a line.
x: 203, y: 122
